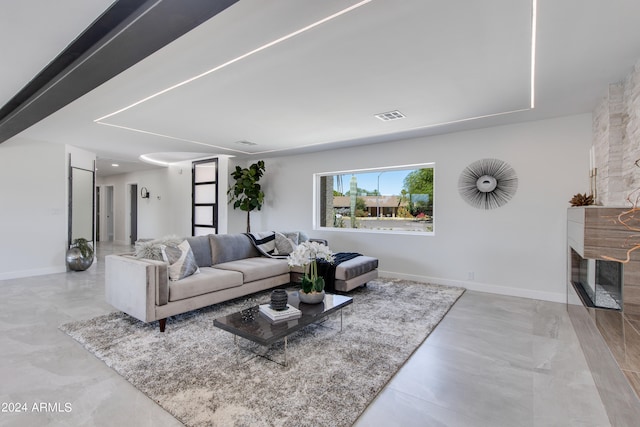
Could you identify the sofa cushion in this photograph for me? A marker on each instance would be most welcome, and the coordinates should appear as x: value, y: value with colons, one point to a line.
x: 181, y: 261
x: 230, y: 247
x: 209, y: 280
x: 201, y: 250
x: 256, y: 268
x: 355, y: 267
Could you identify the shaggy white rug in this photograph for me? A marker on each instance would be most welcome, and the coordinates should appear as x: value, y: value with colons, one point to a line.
x: 191, y: 370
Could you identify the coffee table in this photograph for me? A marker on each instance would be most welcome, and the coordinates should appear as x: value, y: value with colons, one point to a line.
x: 253, y: 326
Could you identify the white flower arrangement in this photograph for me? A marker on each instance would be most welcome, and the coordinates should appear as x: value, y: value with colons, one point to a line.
x: 306, y: 253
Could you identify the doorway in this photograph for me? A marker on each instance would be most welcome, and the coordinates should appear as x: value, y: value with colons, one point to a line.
x: 97, y: 214
x: 133, y: 203
x: 107, y: 214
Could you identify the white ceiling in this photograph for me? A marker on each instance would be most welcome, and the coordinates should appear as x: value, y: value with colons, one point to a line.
x: 447, y: 66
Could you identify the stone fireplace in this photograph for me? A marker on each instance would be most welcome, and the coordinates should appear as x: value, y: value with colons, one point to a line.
x: 608, y: 289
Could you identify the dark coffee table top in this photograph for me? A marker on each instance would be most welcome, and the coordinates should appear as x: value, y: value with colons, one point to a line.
x: 252, y: 325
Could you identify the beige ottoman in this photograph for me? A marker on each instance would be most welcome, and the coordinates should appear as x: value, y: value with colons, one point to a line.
x: 355, y: 272
x: 349, y: 274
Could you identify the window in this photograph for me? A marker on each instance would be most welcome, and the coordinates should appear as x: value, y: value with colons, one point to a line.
x: 390, y: 200
x: 204, y: 214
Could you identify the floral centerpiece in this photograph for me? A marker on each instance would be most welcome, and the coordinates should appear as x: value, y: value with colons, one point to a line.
x: 306, y: 254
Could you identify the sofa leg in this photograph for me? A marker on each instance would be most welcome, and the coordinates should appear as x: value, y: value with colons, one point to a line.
x: 163, y: 324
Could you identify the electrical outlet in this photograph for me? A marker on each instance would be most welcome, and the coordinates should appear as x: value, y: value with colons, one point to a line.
x: 471, y: 275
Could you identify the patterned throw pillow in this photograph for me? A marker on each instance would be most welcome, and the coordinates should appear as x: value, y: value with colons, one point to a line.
x: 181, y: 261
x: 284, y: 245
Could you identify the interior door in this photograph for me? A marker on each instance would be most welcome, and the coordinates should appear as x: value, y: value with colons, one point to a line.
x: 133, y: 194
x: 204, y: 196
x: 108, y: 209
x: 98, y: 214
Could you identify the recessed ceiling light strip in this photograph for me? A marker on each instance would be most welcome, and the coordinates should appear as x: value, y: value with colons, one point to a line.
x: 534, y: 20
x: 257, y: 153
x: 175, y: 138
x: 417, y: 128
x: 239, y: 58
x: 148, y: 159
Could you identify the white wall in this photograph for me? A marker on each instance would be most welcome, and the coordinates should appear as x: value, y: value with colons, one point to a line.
x: 168, y: 210
x: 33, y: 206
x: 154, y: 214
x: 518, y: 249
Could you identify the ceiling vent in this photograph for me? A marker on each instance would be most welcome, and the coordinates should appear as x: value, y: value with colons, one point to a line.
x: 390, y: 115
x: 246, y: 143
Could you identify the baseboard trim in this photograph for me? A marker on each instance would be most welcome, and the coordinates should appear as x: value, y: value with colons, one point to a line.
x: 481, y: 287
x: 29, y: 273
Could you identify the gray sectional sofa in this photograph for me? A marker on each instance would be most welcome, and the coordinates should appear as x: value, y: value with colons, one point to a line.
x: 229, y: 267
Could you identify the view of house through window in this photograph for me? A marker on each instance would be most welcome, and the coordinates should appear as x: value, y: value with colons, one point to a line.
x: 398, y: 199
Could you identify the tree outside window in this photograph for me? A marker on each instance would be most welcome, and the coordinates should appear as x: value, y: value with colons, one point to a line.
x: 395, y: 199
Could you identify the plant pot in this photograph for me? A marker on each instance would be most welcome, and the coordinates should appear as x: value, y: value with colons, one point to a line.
x: 76, y: 261
x: 311, y: 298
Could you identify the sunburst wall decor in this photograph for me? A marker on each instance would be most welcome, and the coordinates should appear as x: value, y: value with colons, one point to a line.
x: 488, y: 183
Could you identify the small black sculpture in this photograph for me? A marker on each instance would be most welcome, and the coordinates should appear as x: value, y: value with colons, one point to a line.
x: 279, y: 298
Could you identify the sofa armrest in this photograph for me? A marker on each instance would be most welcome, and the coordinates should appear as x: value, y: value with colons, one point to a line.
x: 136, y: 286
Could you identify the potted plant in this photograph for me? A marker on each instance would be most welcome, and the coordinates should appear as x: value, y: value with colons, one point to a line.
x: 246, y: 193
x: 307, y: 254
x: 80, y: 255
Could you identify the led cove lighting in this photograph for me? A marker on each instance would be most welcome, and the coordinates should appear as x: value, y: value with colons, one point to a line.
x: 534, y: 20
x: 173, y: 137
x: 148, y: 159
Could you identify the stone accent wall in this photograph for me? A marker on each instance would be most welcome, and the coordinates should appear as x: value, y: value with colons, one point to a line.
x: 616, y: 142
x: 632, y: 126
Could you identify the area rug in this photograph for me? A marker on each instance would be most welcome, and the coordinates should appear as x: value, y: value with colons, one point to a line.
x: 192, y: 369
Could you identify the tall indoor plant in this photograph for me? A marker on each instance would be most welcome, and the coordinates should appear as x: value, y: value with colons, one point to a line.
x: 246, y: 193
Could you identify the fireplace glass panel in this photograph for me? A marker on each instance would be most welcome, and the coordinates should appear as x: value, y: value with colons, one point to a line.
x: 600, y: 281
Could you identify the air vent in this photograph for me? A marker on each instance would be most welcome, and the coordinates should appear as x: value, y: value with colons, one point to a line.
x: 246, y: 143
x: 390, y: 115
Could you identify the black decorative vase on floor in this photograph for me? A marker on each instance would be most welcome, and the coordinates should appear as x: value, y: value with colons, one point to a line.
x: 279, y: 298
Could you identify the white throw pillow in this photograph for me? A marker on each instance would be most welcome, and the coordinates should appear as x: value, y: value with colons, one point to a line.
x: 182, y: 262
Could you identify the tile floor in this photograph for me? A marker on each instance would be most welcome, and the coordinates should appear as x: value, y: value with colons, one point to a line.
x: 493, y: 361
